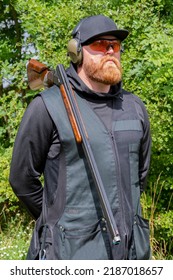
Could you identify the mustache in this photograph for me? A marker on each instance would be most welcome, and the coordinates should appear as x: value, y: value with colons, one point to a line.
x: 110, y: 58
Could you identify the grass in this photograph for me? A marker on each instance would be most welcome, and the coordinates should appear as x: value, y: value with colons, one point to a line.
x: 161, y: 221
x: 14, y: 241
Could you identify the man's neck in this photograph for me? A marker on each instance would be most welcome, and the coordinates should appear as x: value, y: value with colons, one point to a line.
x: 93, y: 85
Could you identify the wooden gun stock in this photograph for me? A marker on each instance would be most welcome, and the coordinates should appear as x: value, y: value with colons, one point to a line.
x: 36, y: 72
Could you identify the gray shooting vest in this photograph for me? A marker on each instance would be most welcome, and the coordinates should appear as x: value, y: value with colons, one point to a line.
x: 77, y: 229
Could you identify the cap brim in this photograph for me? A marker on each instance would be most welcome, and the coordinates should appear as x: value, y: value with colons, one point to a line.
x: 120, y: 34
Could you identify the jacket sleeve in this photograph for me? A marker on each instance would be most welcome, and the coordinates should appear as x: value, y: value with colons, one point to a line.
x: 145, y: 149
x: 30, y: 151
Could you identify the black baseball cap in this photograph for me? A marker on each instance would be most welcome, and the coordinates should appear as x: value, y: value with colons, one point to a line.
x: 92, y: 27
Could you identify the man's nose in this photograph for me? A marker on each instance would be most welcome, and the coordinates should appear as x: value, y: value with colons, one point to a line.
x: 110, y: 49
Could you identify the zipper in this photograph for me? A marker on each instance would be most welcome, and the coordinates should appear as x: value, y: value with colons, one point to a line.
x: 119, y: 184
x: 62, y: 230
x: 42, y: 252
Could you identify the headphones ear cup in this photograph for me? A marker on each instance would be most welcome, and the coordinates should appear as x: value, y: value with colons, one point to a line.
x: 74, y: 51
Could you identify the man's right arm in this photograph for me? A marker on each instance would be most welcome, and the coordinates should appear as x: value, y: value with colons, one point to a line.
x: 30, y: 151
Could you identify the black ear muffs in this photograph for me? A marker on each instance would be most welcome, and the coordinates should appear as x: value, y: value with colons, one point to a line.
x: 74, y: 50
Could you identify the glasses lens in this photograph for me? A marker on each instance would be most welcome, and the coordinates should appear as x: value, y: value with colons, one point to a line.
x: 104, y: 45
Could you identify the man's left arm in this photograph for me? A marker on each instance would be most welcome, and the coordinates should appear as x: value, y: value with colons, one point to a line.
x: 145, y: 150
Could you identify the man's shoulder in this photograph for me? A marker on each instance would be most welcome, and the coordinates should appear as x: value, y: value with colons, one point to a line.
x: 127, y: 95
x: 50, y: 91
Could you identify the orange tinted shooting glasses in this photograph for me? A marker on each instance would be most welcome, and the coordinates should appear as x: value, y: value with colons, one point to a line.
x: 103, y: 45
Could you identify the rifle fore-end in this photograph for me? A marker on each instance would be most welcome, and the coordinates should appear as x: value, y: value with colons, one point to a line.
x: 71, y: 115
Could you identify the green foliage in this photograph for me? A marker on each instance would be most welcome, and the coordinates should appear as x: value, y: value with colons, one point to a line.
x: 8, y: 202
x: 10, y: 32
x: 11, y: 111
x: 42, y: 28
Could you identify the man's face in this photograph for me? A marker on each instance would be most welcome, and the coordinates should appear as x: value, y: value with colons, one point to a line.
x: 103, y: 66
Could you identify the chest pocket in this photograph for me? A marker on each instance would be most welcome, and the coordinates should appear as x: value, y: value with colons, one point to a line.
x: 128, y: 131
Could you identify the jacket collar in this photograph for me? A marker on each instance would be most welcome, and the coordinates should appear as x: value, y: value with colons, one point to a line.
x: 80, y: 86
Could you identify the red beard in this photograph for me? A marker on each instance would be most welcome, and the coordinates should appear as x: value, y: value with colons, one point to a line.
x: 104, y: 72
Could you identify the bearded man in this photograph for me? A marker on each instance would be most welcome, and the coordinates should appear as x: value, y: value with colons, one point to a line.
x: 70, y: 222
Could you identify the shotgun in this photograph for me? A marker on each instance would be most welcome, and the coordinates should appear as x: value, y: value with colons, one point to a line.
x: 36, y: 73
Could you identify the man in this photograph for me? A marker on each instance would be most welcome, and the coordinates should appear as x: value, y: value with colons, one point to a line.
x: 70, y: 222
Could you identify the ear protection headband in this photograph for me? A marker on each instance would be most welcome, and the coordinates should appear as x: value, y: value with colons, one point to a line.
x: 74, y: 48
